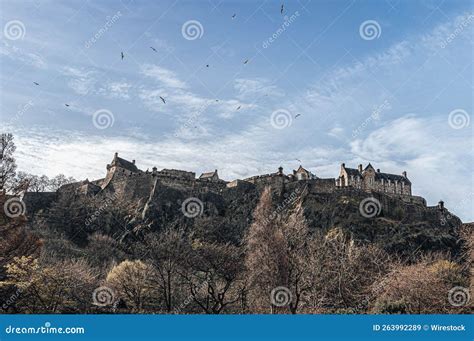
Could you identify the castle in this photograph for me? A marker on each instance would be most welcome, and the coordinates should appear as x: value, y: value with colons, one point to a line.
x: 373, y: 180
x: 124, y: 176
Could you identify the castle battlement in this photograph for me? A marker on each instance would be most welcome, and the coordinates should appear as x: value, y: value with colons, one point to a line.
x: 121, y: 171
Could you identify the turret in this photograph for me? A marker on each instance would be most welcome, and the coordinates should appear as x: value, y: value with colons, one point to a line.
x: 441, y: 205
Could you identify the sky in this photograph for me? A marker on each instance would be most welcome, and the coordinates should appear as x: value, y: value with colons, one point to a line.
x: 244, y: 87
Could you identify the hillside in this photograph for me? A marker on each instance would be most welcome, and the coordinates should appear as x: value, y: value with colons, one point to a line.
x: 399, y: 227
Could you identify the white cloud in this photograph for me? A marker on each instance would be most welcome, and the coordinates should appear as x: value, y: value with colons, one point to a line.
x: 431, y: 151
x: 119, y: 90
x: 82, y: 81
x: 18, y: 54
x: 166, y: 77
x: 256, y: 87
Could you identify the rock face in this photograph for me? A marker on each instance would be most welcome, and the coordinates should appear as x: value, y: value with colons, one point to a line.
x: 223, y: 213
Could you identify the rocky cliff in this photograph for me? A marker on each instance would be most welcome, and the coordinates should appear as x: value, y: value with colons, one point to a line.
x: 396, y: 225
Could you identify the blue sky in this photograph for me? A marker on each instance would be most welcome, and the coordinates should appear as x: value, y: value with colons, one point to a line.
x: 323, y: 91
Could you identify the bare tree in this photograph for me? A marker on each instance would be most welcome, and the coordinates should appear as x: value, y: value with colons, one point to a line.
x: 64, y: 287
x: 58, y: 181
x: 213, y: 275
x: 266, y: 257
x: 166, y: 252
x: 296, y: 235
x: 7, y: 161
x: 132, y: 281
x: 421, y: 288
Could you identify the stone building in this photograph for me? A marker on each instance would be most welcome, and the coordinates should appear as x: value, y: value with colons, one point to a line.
x: 175, y: 173
x: 303, y: 174
x: 210, y: 176
x: 370, y: 179
x: 122, y: 166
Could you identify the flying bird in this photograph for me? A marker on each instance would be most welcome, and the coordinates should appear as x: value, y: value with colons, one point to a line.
x: 238, y: 107
x: 297, y: 115
x: 246, y: 61
x: 281, y: 9
x: 35, y: 83
x: 151, y: 47
x: 233, y: 16
x: 122, y: 55
x: 207, y: 65
x: 298, y: 160
x: 217, y: 100
x: 163, y: 100
x: 67, y: 105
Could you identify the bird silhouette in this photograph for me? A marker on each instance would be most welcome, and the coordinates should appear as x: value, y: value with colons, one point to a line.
x: 35, y: 83
x: 163, y: 100
x: 67, y: 105
x: 238, y: 107
x: 298, y: 160
x: 297, y: 115
x: 281, y: 9
x: 207, y: 65
x: 121, y: 53
x: 233, y: 16
x: 151, y: 47
x: 246, y: 61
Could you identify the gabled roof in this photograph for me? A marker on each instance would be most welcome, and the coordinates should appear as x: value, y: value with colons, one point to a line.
x: 208, y: 175
x: 122, y: 163
x: 352, y: 171
x: 391, y: 177
x: 387, y: 176
x: 369, y: 166
x: 301, y: 169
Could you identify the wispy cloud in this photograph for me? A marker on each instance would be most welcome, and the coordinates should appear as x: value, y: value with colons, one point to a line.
x: 166, y: 77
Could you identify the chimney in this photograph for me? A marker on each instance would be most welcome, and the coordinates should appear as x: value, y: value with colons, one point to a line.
x: 378, y: 170
x: 154, y: 170
x: 404, y: 174
x: 133, y: 161
x: 360, y: 168
x: 280, y: 170
x: 116, y: 154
